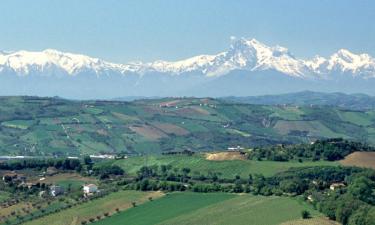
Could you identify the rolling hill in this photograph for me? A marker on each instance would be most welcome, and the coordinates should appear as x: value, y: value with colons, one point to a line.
x: 307, y: 98
x: 54, y: 126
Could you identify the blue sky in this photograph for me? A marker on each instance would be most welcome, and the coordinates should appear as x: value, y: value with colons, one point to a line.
x: 122, y: 31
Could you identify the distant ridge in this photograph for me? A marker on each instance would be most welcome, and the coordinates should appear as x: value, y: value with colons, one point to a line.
x: 345, y: 101
x: 247, y: 67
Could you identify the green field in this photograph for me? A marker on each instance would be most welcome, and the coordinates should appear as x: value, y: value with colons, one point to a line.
x: 227, y: 169
x: 53, y: 126
x: 19, y: 124
x: 83, y: 212
x: 215, y: 208
x: 4, y: 196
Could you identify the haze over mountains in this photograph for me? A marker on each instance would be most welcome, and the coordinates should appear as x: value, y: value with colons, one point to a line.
x: 357, y: 102
x: 248, y: 67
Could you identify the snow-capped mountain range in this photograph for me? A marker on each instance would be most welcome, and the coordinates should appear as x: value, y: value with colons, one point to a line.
x: 243, y: 54
x: 246, y: 60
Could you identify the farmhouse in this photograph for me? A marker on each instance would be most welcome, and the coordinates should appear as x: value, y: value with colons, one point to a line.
x: 105, y: 156
x: 14, y: 177
x: 336, y: 186
x: 237, y: 148
x: 89, y: 189
x: 56, y: 190
x: 10, y: 176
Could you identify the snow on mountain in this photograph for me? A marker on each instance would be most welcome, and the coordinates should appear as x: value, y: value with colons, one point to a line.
x: 253, y: 55
x: 346, y: 61
x: 51, y: 61
x: 243, y: 54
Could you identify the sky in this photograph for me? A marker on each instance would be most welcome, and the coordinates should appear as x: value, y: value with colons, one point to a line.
x: 139, y: 30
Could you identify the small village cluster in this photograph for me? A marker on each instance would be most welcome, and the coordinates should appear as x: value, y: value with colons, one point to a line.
x: 88, y: 189
x: 54, y: 190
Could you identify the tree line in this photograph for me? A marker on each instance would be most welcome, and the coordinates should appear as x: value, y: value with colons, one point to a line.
x: 328, y: 149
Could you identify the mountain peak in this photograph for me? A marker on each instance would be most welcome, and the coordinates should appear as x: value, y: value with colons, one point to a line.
x: 52, y: 51
x: 243, y: 54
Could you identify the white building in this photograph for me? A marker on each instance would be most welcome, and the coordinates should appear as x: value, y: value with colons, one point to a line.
x: 90, y: 189
x: 335, y: 186
x: 56, y: 190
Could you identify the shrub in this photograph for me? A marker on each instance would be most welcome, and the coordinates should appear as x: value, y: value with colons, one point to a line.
x: 305, y: 214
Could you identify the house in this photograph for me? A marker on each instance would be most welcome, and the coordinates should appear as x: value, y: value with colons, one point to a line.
x: 56, y: 190
x: 234, y: 149
x: 89, y: 189
x: 105, y: 156
x: 336, y: 186
x: 42, y: 194
x: 9, y: 176
x: 28, y: 185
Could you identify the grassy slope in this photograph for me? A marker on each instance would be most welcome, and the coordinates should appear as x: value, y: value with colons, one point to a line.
x: 76, y: 214
x: 167, y: 207
x: 49, y: 126
x: 228, y: 168
x: 219, y: 208
x: 4, y: 196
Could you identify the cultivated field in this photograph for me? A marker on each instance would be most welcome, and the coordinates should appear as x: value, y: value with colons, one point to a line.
x: 312, y: 221
x: 222, y: 156
x: 51, y: 126
x: 360, y: 159
x: 226, y: 168
x: 108, y: 204
x: 216, y: 208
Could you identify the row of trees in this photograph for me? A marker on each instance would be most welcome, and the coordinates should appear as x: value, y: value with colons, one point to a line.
x: 329, y: 149
x: 62, y: 164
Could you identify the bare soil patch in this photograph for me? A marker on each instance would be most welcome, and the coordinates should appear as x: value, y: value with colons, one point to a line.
x: 192, y: 111
x: 222, y: 156
x: 170, y: 103
x: 360, y: 159
x: 148, y: 132
x: 171, y: 128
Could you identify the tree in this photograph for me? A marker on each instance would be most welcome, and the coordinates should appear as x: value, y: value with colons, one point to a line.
x: 144, y: 185
x: 250, y: 179
x: 359, y: 217
x: 346, y: 206
x: 238, y: 186
x: 361, y: 188
x: 305, y: 214
x: 87, y: 160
